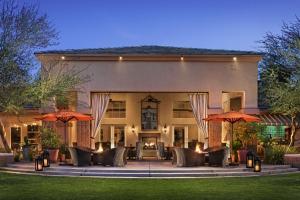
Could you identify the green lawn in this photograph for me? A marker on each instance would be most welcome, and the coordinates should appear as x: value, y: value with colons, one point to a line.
x: 284, y: 187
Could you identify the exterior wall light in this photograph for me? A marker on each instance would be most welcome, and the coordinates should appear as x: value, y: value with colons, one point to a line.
x: 46, y: 159
x: 234, y: 58
x: 120, y: 58
x: 39, y: 164
x: 249, y: 159
x: 182, y: 58
x: 63, y: 58
x: 133, y: 129
x: 257, y: 165
x: 165, y: 129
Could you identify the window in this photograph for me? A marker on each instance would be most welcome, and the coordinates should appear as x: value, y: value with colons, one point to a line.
x: 116, y: 109
x: 33, y: 133
x: 15, y: 136
x: 179, y: 137
x: 182, y: 109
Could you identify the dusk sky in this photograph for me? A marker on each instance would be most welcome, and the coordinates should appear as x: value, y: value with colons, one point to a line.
x: 218, y: 24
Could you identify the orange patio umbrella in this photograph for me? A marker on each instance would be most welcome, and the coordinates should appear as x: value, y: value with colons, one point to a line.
x: 65, y: 116
x: 232, y: 117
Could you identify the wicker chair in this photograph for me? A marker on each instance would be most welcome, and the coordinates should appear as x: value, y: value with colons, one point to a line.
x: 113, y: 157
x: 218, y: 156
x: 160, y: 150
x: 80, y: 156
x: 188, y: 158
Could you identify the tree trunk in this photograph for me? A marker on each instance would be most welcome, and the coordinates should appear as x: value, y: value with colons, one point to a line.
x: 2, y: 137
x: 293, y: 130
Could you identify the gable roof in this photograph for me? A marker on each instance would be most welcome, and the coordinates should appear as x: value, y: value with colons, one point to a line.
x: 150, y: 50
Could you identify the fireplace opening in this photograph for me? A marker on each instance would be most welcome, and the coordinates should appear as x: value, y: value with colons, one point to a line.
x: 149, y: 140
x: 150, y: 143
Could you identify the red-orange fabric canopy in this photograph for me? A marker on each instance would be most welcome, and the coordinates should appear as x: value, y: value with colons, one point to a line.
x: 65, y: 116
x: 232, y: 117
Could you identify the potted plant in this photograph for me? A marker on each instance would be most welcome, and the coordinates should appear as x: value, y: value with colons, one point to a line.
x: 26, y: 149
x: 236, y: 146
x: 50, y: 142
x: 63, y: 150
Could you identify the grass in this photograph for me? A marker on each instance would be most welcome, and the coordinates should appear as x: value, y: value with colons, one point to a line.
x: 24, y: 187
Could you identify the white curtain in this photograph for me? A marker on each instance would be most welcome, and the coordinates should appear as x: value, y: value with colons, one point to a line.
x: 199, y: 105
x: 99, y: 105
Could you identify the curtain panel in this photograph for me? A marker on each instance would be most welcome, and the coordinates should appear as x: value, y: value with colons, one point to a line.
x: 199, y: 106
x: 99, y: 105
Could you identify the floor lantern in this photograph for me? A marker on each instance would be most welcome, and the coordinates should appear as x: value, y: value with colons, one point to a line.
x: 46, y: 159
x: 257, y: 165
x: 39, y: 164
x: 249, y: 159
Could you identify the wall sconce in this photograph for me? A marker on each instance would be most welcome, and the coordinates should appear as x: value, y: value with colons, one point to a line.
x: 39, y: 164
x: 133, y: 129
x: 165, y: 129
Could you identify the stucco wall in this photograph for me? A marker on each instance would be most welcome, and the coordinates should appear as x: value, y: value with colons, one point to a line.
x: 138, y: 76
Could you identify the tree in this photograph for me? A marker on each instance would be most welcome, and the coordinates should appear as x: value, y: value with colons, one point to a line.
x: 280, y: 72
x: 22, y: 32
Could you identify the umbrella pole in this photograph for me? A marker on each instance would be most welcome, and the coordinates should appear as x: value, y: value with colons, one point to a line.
x: 231, y: 146
x: 65, y: 131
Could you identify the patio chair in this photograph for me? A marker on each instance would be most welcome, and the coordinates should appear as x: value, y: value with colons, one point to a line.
x: 112, y: 157
x: 139, y: 150
x: 160, y: 150
x: 188, y: 158
x: 80, y: 156
x: 218, y: 156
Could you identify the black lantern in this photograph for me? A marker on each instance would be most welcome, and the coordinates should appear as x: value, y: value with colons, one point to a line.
x: 249, y: 159
x: 46, y: 159
x: 39, y: 163
x: 257, y: 165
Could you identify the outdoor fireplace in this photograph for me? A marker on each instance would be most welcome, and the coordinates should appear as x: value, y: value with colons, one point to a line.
x: 149, y: 140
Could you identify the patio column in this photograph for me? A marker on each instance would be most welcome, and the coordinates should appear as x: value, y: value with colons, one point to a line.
x: 186, y: 137
x: 112, y: 137
x: 172, y: 136
x: 125, y: 133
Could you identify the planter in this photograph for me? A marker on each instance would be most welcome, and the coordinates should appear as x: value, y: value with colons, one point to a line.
x: 242, y: 156
x: 6, y: 158
x: 26, y: 153
x: 292, y: 159
x: 62, y: 157
x: 53, y: 155
x: 232, y: 158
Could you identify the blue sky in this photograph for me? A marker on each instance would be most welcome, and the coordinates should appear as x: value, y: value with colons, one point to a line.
x: 219, y: 24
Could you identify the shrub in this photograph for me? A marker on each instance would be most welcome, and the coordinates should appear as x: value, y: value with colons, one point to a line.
x: 49, y: 139
x: 274, y: 154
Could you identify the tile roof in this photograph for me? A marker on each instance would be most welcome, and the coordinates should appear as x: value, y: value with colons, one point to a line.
x: 150, y: 50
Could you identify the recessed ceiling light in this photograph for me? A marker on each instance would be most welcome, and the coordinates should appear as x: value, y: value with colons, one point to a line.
x: 181, y: 58
x: 63, y: 57
x: 234, y: 58
x: 120, y: 58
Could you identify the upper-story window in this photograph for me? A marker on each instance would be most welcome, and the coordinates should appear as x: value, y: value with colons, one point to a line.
x: 116, y: 109
x: 182, y: 109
